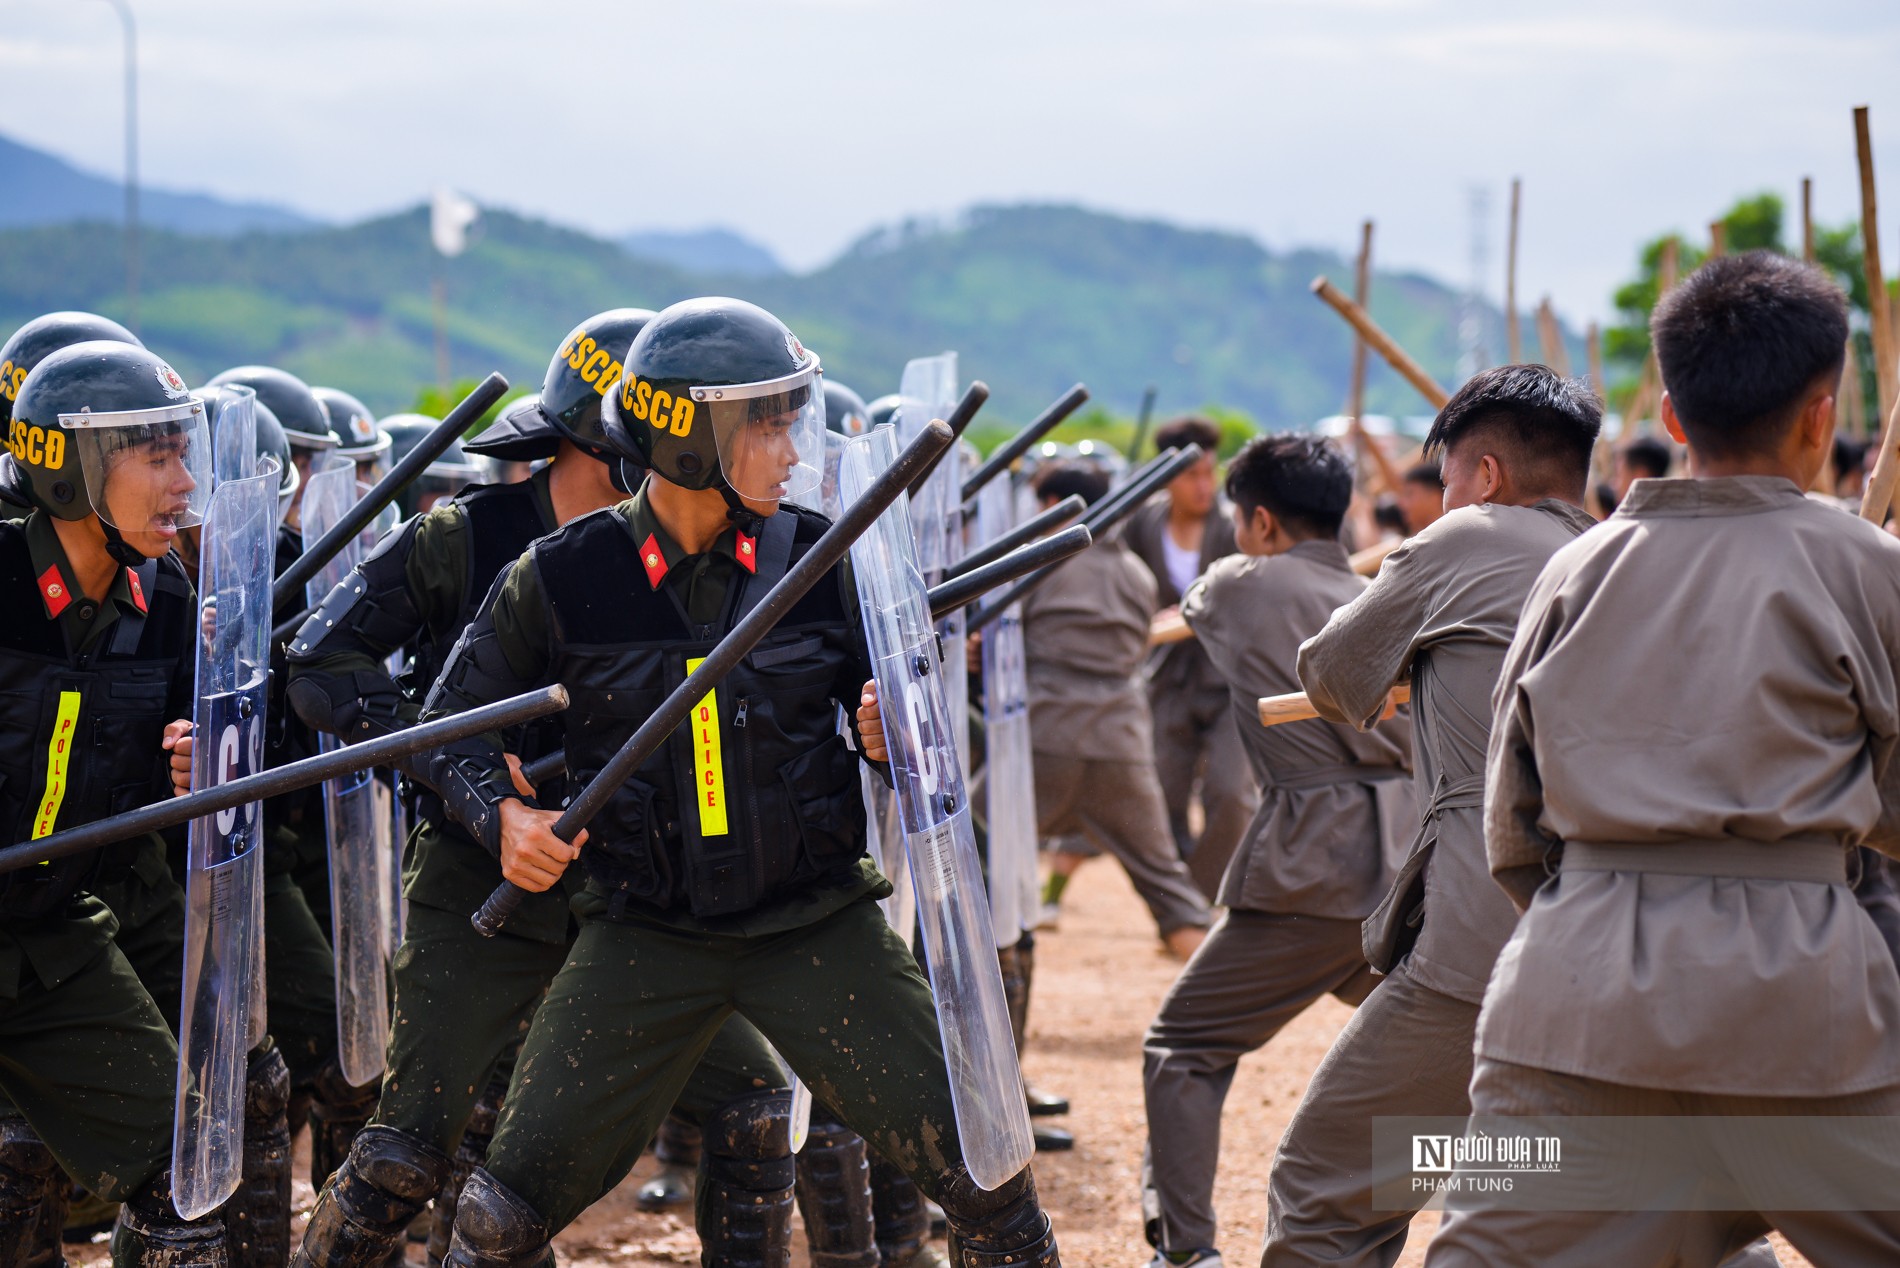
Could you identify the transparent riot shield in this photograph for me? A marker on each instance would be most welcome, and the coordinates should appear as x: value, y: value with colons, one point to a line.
x: 929, y: 390
x: 234, y: 435
x: 224, y: 890
x: 358, y: 823
x: 1009, y: 780
x: 952, y: 908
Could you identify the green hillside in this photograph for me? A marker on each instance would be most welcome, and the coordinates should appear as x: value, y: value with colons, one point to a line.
x: 1033, y: 298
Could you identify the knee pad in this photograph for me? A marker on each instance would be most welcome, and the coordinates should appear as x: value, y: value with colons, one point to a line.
x: 33, y: 1196
x: 151, y: 1234
x: 257, y: 1215
x: 834, y: 1194
x: 495, y: 1228
x: 1000, y: 1228
x: 898, y: 1212
x: 747, y: 1142
x: 363, y: 1214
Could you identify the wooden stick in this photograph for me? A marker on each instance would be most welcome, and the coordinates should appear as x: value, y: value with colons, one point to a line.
x: 1876, y: 280
x: 1513, y: 341
x: 1356, y: 385
x: 1877, y: 499
x: 1381, y: 343
x: 1648, y: 387
x: 1295, y: 707
x: 1807, y: 219
x: 1550, y: 339
x: 1593, y: 348
x: 1366, y: 562
x: 1169, y: 627
x: 1718, y: 239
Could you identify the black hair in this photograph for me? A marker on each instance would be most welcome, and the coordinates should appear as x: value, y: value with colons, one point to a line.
x: 1059, y: 480
x: 1426, y: 473
x: 1303, y: 481
x: 1850, y: 455
x: 1542, y: 424
x: 1741, y: 341
x: 1179, y: 433
x: 1647, y: 456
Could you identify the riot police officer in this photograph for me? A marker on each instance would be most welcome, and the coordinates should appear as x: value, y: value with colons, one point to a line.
x: 358, y: 437
x: 462, y: 1000
x: 110, y: 450
x: 731, y: 869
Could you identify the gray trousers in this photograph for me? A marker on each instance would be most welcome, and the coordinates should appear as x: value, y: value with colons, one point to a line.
x: 1119, y: 806
x: 1576, y: 1239
x: 1195, y: 735
x: 1256, y: 972
x: 1406, y: 1051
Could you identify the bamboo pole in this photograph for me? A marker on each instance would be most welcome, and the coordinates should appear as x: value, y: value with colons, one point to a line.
x: 1356, y: 385
x: 1593, y: 348
x: 1295, y: 707
x: 1368, y: 561
x: 1513, y: 342
x: 1550, y: 338
x: 1807, y: 219
x: 1877, y: 499
x: 1718, y: 239
x: 1381, y: 343
x: 1870, y: 256
x: 1854, y: 404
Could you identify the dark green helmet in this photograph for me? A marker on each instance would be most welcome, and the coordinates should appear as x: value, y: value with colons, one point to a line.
x: 845, y: 411
x: 28, y: 346
x: 305, y: 423
x: 717, y: 393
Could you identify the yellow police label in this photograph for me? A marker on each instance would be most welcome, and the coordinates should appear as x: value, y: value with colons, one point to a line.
x: 596, y: 364
x: 41, y: 446
x: 656, y: 405
x: 709, y: 770
x: 58, y: 755
x: 11, y: 378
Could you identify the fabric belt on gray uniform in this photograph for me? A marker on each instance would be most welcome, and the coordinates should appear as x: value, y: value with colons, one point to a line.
x: 1819, y: 861
x: 1322, y: 776
x: 1388, y: 934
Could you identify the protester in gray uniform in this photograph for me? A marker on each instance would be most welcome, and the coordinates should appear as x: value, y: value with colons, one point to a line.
x: 1336, y: 810
x: 1085, y: 633
x: 1677, y: 839
x: 1515, y: 444
x: 1178, y: 535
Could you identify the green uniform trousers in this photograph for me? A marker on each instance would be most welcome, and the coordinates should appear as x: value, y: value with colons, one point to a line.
x: 299, y: 980
x: 90, y: 1063
x: 463, y: 1006
x: 635, y: 1005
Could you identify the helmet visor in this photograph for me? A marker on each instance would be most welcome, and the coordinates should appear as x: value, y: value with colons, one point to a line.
x: 771, y: 435
x: 147, y: 471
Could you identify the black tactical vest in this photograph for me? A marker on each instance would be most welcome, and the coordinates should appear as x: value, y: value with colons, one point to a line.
x: 503, y: 521
x: 756, y: 797
x: 79, y: 735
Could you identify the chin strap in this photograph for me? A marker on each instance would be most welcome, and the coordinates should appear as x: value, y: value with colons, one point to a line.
x: 743, y: 517
x: 121, y: 550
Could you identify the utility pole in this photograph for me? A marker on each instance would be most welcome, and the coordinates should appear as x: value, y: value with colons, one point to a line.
x: 124, y: 9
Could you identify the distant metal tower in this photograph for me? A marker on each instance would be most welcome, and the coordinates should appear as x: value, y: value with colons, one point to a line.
x: 1472, y: 356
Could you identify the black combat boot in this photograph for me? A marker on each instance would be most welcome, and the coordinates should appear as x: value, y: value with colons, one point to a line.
x: 677, y: 1147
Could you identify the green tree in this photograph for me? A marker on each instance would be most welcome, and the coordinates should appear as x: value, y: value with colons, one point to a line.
x: 436, y: 403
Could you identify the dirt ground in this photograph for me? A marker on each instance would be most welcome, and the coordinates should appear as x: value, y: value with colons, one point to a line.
x: 1099, y: 979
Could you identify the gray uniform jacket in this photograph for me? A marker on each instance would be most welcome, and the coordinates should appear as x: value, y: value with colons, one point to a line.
x: 1442, y: 609
x: 1183, y: 666
x: 1085, y: 634
x: 1703, y: 689
x: 1336, y: 813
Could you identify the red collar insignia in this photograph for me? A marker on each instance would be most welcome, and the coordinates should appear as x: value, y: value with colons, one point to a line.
x: 653, y: 560
x: 138, y: 593
x: 54, y: 591
x: 747, y: 550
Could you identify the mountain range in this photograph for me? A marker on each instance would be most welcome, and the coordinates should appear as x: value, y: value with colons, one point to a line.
x: 1033, y: 297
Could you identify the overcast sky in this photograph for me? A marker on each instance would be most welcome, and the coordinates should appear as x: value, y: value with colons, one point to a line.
x: 801, y: 123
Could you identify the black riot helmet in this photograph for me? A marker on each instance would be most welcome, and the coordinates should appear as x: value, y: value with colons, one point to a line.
x: 584, y: 372
x: 845, y: 411
x: 359, y: 438
x: 449, y: 474
x: 718, y: 394
x: 114, y: 432
x: 28, y: 346
x: 306, y: 424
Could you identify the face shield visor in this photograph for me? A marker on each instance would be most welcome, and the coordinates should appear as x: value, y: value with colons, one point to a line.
x: 771, y: 435
x: 147, y: 471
